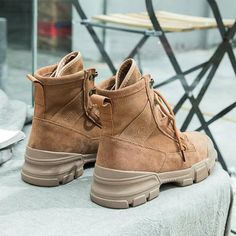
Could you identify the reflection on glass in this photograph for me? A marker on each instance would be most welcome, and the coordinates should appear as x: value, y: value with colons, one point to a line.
x: 54, y: 40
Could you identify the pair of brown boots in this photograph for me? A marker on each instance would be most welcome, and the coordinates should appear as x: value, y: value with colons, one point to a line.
x: 123, y: 124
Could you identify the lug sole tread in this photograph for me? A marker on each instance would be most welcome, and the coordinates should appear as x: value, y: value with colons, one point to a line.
x: 199, y: 173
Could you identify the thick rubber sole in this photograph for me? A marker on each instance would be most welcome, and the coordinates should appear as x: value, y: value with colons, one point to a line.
x: 49, y: 169
x: 122, y: 189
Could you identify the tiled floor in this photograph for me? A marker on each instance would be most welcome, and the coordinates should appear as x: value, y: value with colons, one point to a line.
x: 221, y: 92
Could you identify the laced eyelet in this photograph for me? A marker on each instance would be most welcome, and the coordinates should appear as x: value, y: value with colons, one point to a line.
x: 151, y: 82
x: 171, y: 117
x: 92, y: 91
x: 92, y: 76
x: 95, y: 74
x: 155, y: 102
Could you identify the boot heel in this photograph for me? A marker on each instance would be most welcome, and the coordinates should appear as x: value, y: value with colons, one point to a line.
x: 121, y: 189
x: 46, y: 168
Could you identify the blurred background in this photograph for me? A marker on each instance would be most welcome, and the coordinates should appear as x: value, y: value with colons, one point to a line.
x: 59, y: 31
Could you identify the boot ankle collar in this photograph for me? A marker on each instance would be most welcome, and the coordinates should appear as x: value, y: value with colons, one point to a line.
x: 43, y: 75
x: 123, y: 92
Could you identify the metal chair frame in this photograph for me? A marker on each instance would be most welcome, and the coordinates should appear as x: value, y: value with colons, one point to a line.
x: 207, y: 68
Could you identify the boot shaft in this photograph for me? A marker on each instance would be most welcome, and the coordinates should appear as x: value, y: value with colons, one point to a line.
x: 66, y: 96
x: 65, y: 130
x: 121, y: 107
x: 131, y: 114
x: 64, y: 117
x: 135, y: 120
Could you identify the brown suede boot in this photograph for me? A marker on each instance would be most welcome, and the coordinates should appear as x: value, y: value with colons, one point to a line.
x: 66, y: 129
x: 140, y: 147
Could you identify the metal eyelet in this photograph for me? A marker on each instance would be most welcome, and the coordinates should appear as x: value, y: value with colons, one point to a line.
x: 92, y: 91
x: 151, y: 82
x: 95, y: 74
x: 91, y: 77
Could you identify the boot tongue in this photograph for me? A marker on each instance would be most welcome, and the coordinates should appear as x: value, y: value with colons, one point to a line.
x: 70, y: 64
x: 127, y: 74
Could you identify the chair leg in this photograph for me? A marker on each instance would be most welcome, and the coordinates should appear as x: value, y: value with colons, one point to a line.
x: 136, y: 50
x: 99, y: 43
x: 138, y: 46
x: 95, y: 37
x: 226, y: 35
x: 232, y: 58
x: 178, y: 71
x: 199, y: 77
x: 182, y: 79
x: 217, y: 58
x: 195, y: 108
x: 218, y: 115
x: 203, y: 90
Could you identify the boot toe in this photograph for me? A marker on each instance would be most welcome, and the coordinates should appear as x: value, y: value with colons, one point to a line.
x: 211, y: 152
x: 201, y: 142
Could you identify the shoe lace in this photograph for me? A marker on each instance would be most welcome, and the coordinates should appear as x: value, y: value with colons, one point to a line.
x: 159, y: 99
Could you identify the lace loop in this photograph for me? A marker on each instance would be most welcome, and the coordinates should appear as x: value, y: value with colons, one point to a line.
x: 160, y: 99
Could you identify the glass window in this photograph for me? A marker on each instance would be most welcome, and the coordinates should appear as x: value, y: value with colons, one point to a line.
x: 53, y: 41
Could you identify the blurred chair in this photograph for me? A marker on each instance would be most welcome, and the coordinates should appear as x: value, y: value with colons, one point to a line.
x: 158, y: 24
x: 3, y: 51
